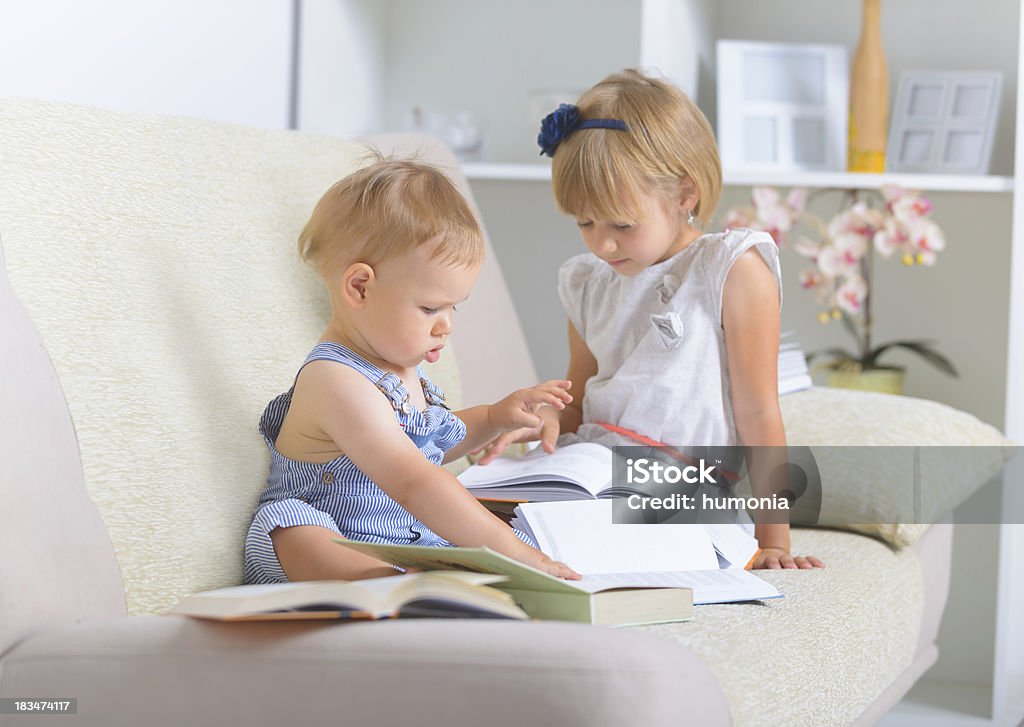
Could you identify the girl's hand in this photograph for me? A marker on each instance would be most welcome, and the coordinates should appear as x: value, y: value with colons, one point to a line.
x: 547, y: 433
x: 519, y: 410
x: 774, y: 558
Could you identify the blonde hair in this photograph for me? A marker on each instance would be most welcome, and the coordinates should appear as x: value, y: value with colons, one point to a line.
x: 385, y: 209
x: 668, y: 142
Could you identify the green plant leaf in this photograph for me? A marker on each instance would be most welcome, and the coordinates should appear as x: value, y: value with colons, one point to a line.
x: 851, y: 328
x: 922, y: 348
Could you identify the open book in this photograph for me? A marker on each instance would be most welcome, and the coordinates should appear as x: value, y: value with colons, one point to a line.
x: 595, y: 601
x: 435, y: 595
x: 573, y: 472
x: 709, y: 559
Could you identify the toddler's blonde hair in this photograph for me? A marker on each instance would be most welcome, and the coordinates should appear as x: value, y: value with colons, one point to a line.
x: 388, y: 208
x: 668, y: 142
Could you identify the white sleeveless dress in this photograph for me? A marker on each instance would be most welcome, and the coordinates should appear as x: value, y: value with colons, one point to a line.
x: 659, y: 342
x: 660, y: 346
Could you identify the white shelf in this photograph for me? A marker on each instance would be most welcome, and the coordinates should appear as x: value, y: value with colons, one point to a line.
x: 842, y: 180
x: 851, y: 180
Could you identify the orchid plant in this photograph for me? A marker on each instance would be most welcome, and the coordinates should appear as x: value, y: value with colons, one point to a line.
x: 895, y: 223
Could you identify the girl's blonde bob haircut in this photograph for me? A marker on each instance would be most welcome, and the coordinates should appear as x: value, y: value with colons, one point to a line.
x: 386, y: 209
x: 667, y: 149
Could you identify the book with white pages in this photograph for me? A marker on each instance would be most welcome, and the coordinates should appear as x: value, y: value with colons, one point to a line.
x: 454, y: 594
x: 580, y: 471
x: 709, y: 559
x: 793, y: 373
x: 541, y: 595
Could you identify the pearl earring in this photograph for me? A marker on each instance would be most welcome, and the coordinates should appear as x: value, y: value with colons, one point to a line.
x: 690, y: 218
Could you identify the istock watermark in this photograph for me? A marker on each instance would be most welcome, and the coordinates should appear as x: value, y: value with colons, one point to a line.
x: 828, y: 486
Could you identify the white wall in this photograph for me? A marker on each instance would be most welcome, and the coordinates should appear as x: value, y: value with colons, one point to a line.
x: 342, y: 66
x: 213, y: 59
x: 489, y: 57
x: 678, y: 41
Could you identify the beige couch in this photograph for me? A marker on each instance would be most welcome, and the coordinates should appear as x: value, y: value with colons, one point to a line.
x: 153, y: 303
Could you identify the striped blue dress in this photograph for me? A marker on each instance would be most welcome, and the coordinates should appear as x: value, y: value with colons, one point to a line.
x: 337, y: 495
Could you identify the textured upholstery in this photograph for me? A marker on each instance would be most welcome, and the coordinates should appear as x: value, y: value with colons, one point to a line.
x: 770, y: 657
x: 158, y: 262
x: 872, y: 446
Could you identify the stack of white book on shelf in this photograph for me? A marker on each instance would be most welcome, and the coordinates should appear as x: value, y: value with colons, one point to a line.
x: 793, y: 372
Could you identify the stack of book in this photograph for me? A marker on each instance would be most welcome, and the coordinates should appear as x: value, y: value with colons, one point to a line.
x: 793, y: 372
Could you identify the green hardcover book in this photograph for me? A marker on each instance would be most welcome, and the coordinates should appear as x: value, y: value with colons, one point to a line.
x: 541, y: 595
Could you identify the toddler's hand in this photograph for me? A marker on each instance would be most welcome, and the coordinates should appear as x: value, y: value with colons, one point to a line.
x: 519, y: 410
x: 774, y: 558
x: 552, y: 567
x: 547, y: 433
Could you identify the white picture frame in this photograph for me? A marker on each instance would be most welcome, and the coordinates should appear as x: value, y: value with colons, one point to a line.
x: 782, y: 106
x: 943, y: 122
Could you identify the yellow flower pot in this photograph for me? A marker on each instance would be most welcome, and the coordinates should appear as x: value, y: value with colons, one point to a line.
x: 885, y: 381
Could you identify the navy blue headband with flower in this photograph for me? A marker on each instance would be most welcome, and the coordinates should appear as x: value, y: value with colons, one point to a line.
x: 565, y: 120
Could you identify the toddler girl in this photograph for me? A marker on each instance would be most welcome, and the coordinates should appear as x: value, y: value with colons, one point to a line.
x: 357, y: 442
x: 673, y: 334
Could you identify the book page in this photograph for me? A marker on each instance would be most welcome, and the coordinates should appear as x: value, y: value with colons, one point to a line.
x: 582, y: 535
x: 735, y: 545
x: 709, y: 586
x: 250, y: 599
x: 586, y: 465
x: 479, y: 560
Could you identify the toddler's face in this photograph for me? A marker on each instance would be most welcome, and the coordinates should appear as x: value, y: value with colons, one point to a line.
x: 630, y: 247
x: 410, y: 308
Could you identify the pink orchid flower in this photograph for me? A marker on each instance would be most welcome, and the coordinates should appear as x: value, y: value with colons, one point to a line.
x: 842, y: 258
x: 892, y: 238
x: 851, y: 294
x: 775, y: 216
x: 907, y: 206
x: 926, y: 239
x: 810, y: 279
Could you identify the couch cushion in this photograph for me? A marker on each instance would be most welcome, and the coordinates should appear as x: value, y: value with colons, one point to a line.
x: 957, y: 454
x: 856, y: 620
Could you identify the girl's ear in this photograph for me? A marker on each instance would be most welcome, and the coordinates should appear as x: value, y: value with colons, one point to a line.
x: 689, y: 198
x: 356, y: 282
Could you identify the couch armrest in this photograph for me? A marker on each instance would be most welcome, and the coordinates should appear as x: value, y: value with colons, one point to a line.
x: 173, y: 671
x: 66, y: 568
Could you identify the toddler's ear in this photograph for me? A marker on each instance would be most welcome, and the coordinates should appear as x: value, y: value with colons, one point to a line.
x: 355, y: 282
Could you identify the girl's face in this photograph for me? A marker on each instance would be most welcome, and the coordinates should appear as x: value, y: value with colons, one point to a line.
x: 410, y: 307
x: 629, y: 247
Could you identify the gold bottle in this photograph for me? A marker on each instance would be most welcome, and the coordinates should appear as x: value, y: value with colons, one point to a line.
x: 869, y: 96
